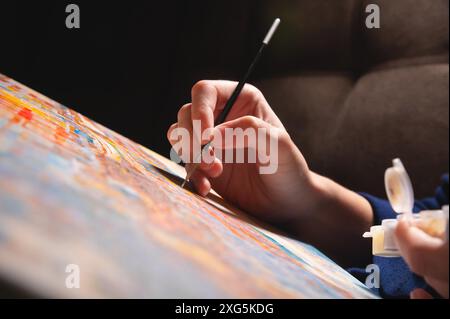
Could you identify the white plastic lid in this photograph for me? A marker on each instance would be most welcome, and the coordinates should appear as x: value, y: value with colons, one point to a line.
x: 399, y: 188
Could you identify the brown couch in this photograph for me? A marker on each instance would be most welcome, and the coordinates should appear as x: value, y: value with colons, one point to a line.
x: 352, y: 98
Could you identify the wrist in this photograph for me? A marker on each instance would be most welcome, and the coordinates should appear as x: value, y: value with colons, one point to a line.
x: 319, y: 192
x: 325, y: 195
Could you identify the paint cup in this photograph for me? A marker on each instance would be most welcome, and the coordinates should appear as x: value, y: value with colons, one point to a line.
x: 433, y: 222
x: 401, y: 197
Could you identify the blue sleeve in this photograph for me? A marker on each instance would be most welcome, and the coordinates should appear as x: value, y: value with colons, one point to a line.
x: 396, y: 280
x: 382, y: 208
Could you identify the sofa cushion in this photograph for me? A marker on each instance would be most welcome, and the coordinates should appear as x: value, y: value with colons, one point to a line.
x: 354, y: 98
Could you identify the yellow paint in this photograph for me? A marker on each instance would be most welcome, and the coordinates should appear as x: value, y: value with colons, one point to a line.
x: 377, y: 240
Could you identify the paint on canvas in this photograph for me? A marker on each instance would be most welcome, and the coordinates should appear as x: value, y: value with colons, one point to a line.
x: 75, y: 192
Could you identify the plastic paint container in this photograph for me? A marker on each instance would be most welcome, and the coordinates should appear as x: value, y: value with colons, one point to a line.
x: 401, y: 197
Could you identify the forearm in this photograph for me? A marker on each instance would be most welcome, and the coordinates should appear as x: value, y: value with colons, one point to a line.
x: 334, y: 220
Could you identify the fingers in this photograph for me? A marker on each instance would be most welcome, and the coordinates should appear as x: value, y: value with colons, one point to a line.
x: 420, y: 294
x: 184, y: 124
x: 210, y: 167
x: 213, y: 169
x: 184, y: 117
x: 210, y: 96
x: 200, y: 180
x: 201, y: 184
x: 204, y: 101
x: 249, y: 139
x: 427, y: 256
x: 256, y: 126
x: 440, y: 285
x: 170, y: 136
x: 208, y: 100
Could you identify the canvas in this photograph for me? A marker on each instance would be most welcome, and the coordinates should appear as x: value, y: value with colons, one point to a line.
x: 73, y: 192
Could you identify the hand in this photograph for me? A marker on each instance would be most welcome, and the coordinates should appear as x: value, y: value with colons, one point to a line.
x: 242, y: 183
x: 427, y: 256
x: 310, y: 207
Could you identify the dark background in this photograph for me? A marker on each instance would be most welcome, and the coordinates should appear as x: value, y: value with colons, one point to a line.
x: 351, y: 98
x: 131, y: 64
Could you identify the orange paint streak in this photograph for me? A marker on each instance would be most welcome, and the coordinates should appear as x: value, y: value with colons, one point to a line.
x: 61, y: 135
x: 26, y: 114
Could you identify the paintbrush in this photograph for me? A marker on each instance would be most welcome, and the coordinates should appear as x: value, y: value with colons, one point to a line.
x: 226, y: 110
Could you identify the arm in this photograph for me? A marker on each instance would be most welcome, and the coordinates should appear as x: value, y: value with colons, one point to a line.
x: 335, y: 221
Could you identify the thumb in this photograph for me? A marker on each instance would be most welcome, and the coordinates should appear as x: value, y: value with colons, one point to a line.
x: 244, y: 132
x: 422, y: 252
x: 420, y: 293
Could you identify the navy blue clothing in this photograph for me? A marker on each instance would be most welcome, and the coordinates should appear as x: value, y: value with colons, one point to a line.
x: 396, y: 280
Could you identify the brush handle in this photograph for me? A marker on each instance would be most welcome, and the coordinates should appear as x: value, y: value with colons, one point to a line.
x: 226, y: 110
x: 228, y: 106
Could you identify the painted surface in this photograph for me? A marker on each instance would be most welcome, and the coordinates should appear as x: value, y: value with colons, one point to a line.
x: 75, y: 192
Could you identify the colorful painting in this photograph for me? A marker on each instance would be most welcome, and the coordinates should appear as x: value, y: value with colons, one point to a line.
x: 73, y: 192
